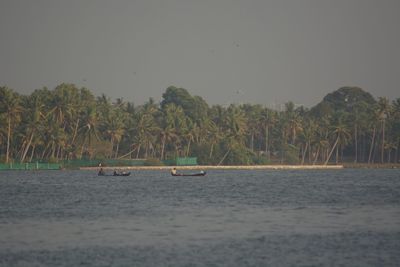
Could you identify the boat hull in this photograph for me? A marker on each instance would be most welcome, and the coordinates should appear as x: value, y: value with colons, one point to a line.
x: 189, y: 174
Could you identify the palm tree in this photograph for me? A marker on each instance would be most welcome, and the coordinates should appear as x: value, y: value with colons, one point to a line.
x: 10, y: 106
x: 114, y: 128
x: 34, y: 123
x: 56, y: 140
x: 235, y: 127
x: 358, y: 117
x: 307, y: 136
x: 383, y: 111
x: 212, y: 134
x: 341, y: 134
x: 292, y: 121
x: 89, y: 129
x: 175, y: 123
x: 145, y: 130
x: 167, y: 135
x: 253, y: 116
x: 64, y: 99
x: 372, y: 123
x: 396, y: 126
x: 189, y: 134
x: 268, y: 121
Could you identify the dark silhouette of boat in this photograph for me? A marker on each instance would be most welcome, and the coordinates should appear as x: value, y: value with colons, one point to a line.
x: 122, y: 174
x: 102, y: 173
x: 189, y: 174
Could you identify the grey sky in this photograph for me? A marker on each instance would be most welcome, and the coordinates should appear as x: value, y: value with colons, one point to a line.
x: 250, y: 51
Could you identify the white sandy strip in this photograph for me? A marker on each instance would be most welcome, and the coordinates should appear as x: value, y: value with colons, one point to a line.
x: 209, y: 167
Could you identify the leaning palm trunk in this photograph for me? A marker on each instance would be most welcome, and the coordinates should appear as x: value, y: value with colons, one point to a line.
x: 337, y: 155
x: 112, y: 147
x: 372, y: 146
x: 266, y: 141
x: 252, y: 142
x: 138, y: 151
x: 146, y: 151
x: 303, y: 156
x: 22, y: 149
x: 188, y: 149
x: 223, y: 158
x: 211, y: 150
x: 163, y: 147
x: 127, y: 154
x: 32, y: 153
x: 27, y: 148
x: 116, y: 150
x: 356, y: 144
x: 8, y: 140
x: 330, y: 153
x: 383, y: 141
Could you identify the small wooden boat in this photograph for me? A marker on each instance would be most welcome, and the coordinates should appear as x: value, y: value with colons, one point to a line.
x: 189, y: 174
x: 114, y: 174
x: 122, y: 173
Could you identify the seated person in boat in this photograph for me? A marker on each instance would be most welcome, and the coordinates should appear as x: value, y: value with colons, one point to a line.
x: 115, y: 172
x: 173, y: 171
x: 101, y: 171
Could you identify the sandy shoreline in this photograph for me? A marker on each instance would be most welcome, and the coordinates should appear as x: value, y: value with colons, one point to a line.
x: 211, y: 167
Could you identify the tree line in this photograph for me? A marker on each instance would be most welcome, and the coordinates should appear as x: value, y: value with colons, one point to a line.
x: 348, y: 125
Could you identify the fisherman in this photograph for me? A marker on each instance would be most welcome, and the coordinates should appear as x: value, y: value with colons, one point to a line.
x: 173, y: 171
x: 101, y: 171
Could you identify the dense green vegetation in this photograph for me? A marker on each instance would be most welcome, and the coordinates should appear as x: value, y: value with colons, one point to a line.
x: 348, y: 125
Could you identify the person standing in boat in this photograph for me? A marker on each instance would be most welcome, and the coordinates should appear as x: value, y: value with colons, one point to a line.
x: 101, y: 171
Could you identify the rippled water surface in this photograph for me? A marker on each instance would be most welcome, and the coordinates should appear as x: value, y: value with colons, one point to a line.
x: 227, y: 218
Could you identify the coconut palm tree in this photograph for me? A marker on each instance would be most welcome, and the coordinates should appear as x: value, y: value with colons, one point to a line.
x: 307, y: 136
x: 268, y: 120
x: 211, y: 134
x: 55, y: 140
x: 89, y: 131
x: 235, y: 128
x: 252, y: 114
x: 145, y: 131
x: 383, y: 112
x: 293, y: 122
x: 167, y: 135
x: 357, y: 118
x: 11, y: 108
x: 33, y: 124
x: 341, y: 134
x: 175, y: 123
x: 395, y: 122
x: 114, y: 128
x: 373, y: 121
x: 189, y: 134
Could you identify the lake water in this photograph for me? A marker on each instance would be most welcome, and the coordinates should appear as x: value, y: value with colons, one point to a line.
x: 228, y: 218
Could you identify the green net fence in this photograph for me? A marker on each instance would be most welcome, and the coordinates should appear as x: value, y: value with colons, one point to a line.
x: 104, y: 163
x: 188, y: 161
x: 30, y: 166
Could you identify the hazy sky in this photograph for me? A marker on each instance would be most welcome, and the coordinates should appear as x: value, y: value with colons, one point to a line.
x: 227, y: 51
